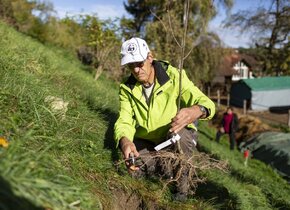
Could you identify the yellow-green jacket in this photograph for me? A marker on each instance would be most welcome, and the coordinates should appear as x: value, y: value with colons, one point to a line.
x: 138, y: 120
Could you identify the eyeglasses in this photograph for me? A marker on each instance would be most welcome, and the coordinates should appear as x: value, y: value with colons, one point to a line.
x: 136, y: 64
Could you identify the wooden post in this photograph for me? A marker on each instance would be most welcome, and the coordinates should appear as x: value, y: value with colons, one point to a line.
x: 245, y: 106
x: 218, y: 98
x: 201, y: 88
x: 289, y: 117
x: 228, y: 100
x: 208, y: 91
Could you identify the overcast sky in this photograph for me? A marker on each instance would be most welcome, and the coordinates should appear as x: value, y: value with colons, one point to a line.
x: 114, y: 8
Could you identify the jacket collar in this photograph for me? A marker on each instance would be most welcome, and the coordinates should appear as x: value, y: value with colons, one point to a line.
x: 160, y: 68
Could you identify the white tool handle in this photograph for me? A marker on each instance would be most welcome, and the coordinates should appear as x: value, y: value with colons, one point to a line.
x: 172, y: 140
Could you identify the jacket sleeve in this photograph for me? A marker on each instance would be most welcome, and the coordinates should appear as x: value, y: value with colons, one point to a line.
x: 236, y: 122
x: 192, y: 95
x: 125, y: 124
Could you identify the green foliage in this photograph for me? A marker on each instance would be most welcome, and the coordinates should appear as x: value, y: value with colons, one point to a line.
x: 142, y: 12
x: 97, y: 42
x: 85, y: 35
x: 65, y: 33
x: 20, y: 14
x: 164, y: 32
x: 6, y: 11
x: 204, y: 60
x: 127, y: 28
x: 270, y: 27
x: 102, y: 41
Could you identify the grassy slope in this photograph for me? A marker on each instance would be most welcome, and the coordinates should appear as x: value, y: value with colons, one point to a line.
x: 53, y: 159
x: 68, y: 164
x: 254, y: 186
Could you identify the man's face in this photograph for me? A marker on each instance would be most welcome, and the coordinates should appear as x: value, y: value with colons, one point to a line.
x: 141, y: 70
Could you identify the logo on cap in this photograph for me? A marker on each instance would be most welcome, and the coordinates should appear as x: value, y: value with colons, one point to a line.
x: 132, y: 47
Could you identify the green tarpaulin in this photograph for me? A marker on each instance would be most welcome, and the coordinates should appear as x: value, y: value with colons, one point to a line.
x: 272, y: 148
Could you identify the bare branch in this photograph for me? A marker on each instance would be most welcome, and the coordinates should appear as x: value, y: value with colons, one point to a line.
x: 171, y: 29
x: 159, y: 20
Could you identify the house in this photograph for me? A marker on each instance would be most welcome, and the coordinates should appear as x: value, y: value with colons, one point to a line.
x: 243, y: 66
x: 261, y: 93
x: 234, y: 67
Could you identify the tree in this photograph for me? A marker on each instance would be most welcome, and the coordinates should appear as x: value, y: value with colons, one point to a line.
x: 162, y: 25
x: 271, y: 27
x: 205, y: 58
x: 141, y: 10
x: 6, y: 12
x: 66, y: 33
x: 101, y: 40
x: 28, y: 17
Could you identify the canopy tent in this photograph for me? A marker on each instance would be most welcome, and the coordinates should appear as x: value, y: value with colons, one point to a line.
x: 261, y: 93
x: 272, y: 148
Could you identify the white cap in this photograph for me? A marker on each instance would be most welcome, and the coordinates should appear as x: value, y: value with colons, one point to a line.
x: 134, y: 50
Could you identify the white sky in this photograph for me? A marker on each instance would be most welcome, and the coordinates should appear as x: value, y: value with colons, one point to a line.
x: 114, y: 8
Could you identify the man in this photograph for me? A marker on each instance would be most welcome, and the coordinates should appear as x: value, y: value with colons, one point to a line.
x: 229, y: 125
x: 149, y: 104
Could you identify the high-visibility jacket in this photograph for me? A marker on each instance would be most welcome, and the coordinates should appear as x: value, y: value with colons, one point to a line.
x: 152, y: 122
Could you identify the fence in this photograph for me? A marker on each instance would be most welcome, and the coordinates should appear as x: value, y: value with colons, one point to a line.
x: 218, y: 99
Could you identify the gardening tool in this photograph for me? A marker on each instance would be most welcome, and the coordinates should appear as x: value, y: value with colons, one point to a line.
x: 134, y: 162
x: 175, y: 138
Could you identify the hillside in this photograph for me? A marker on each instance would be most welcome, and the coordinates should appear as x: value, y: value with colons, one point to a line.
x: 65, y: 159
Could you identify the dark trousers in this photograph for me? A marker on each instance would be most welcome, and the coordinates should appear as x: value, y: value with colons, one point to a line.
x: 231, y: 137
x: 187, y: 141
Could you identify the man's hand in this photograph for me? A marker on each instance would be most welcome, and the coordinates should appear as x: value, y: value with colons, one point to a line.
x: 184, y: 117
x: 222, y: 130
x: 128, y: 147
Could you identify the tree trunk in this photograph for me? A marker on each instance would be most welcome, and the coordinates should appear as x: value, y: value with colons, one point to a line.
x: 99, y: 71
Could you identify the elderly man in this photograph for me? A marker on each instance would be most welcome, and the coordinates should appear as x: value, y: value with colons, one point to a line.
x: 149, y: 104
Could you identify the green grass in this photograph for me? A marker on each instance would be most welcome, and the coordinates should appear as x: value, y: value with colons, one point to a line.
x: 253, y: 186
x: 68, y: 163
x: 57, y: 160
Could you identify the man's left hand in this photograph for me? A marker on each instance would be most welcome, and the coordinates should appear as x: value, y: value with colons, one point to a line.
x: 184, y: 117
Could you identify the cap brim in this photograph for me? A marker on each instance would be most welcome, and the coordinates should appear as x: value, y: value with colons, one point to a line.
x: 131, y: 59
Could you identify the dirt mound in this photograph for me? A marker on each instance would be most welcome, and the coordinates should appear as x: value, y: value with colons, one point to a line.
x: 126, y: 201
x: 248, y: 125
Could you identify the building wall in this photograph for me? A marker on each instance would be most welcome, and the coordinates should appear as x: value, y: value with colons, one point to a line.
x: 240, y: 92
x: 264, y: 100
x: 242, y: 71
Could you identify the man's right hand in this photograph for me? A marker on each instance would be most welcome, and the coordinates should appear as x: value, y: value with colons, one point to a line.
x: 128, y: 147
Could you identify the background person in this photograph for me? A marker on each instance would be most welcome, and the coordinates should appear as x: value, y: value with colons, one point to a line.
x: 229, y: 125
